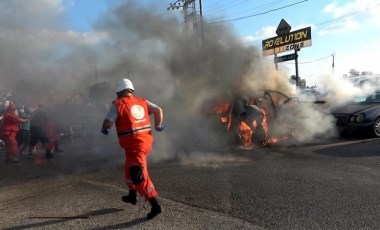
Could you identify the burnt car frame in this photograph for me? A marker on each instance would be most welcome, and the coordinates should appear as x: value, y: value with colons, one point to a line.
x: 275, y: 105
x: 360, y: 115
x: 275, y: 102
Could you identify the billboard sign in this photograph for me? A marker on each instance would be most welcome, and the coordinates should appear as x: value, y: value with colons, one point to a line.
x: 293, y: 40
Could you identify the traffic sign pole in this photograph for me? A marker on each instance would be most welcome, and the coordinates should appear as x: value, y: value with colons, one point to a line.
x: 275, y: 62
x: 296, y: 60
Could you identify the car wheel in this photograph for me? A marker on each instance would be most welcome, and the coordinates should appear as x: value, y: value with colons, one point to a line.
x: 376, y: 127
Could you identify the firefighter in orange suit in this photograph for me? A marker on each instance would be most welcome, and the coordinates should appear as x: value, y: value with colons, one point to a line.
x: 8, y: 132
x: 131, y: 117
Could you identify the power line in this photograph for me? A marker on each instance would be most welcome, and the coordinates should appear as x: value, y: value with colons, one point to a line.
x: 262, y: 7
x: 229, y: 6
x: 339, y: 18
x: 267, y: 59
x: 218, y: 37
x: 321, y: 23
x: 325, y: 22
x: 262, y: 13
x: 315, y: 60
x: 307, y: 62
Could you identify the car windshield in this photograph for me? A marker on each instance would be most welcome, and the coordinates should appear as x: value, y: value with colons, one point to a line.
x: 375, y: 97
x: 359, y: 99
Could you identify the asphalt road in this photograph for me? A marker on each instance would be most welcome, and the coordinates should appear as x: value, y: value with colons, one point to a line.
x: 330, y: 185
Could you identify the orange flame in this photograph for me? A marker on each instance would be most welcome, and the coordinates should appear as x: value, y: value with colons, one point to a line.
x: 245, y: 135
x: 265, y: 122
x: 224, y: 119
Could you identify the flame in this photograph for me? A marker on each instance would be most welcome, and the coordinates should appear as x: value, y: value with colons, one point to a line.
x: 220, y: 106
x: 245, y: 135
x: 265, y: 122
x: 224, y: 119
x: 273, y: 140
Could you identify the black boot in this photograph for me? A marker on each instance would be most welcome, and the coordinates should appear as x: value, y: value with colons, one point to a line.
x: 131, y: 198
x: 156, y: 208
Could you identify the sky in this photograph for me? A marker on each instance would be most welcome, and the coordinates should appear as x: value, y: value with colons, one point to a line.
x: 343, y: 31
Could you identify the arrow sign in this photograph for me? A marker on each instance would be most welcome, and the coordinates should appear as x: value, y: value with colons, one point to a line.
x: 285, y: 58
x: 283, y: 28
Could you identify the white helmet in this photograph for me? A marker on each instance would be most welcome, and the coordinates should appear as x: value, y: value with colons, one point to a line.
x: 123, y: 84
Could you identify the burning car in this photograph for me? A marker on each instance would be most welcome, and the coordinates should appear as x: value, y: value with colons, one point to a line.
x: 360, y: 114
x: 261, y: 118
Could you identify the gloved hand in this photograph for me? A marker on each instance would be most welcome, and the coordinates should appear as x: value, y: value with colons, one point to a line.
x: 160, y: 128
x: 104, y: 131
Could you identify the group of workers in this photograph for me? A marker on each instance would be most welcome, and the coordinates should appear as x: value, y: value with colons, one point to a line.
x: 23, y: 128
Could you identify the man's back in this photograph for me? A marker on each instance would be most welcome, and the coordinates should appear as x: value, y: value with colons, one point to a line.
x: 39, y: 118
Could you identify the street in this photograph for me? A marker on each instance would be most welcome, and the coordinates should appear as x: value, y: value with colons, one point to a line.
x: 329, y: 185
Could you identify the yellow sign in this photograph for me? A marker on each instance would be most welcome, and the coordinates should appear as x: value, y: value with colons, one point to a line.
x: 291, y: 41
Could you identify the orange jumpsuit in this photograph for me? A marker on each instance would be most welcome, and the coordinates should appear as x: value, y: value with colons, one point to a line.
x: 8, y: 132
x: 135, y: 137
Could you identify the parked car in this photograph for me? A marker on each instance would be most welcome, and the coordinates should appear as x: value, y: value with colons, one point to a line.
x: 361, y: 114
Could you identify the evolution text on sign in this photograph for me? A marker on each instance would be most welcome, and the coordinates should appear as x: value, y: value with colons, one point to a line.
x: 291, y: 41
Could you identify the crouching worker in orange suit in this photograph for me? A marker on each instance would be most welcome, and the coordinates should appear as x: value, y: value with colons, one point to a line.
x: 131, y: 117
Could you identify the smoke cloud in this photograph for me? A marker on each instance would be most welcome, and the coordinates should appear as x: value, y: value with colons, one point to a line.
x: 176, y: 70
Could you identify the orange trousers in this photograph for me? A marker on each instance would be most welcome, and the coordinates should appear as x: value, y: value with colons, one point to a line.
x: 136, y: 155
x: 11, y: 146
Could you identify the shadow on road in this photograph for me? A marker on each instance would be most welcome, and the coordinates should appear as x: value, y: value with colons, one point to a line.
x: 60, y: 219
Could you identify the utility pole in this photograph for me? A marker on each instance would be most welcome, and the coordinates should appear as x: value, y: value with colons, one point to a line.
x: 201, y: 21
x: 190, y: 15
x: 296, y: 63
